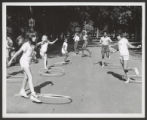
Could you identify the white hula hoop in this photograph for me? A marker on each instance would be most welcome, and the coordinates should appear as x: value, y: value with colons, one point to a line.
x: 135, y: 76
x: 135, y: 81
x: 112, y: 67
x: 52, y: 72
x: 61, y: 63
x: 139, y: 59
x: 54, y: 98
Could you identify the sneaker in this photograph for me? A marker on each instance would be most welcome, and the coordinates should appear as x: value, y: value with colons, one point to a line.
x: 22, y: 93
x: 136, y: 71
x: 34, y: 98
x: 128, y: 80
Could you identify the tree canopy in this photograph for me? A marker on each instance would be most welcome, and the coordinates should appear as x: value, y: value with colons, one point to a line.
x: 62, y: 19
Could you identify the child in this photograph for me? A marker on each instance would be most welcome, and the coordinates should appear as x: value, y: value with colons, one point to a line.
x: 123, y: 45
x: 44, y: 47
x: 27, y: 48
x: 10, y: 48
x: 76, y: 40
x: 64, y: 50
x: 105, y: 41
x: 84, y: 47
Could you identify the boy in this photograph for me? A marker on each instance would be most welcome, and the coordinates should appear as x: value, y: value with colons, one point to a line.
x: 44, y: 47
x: 84, y: 47
x: 76, y: 40
x: 64, y: 50
x: 105, y: 42
x: 123, y: 45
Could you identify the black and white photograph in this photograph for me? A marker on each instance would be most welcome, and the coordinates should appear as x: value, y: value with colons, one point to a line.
x: 73, y: 59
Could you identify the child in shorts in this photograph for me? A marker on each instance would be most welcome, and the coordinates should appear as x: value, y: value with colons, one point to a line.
x: 105, y: 42
x: 27, y: 49
x: 84, y: 47
x: 76, y: 40
x: 123, y: 45
x: 44, y: 47
x: 64, y: 50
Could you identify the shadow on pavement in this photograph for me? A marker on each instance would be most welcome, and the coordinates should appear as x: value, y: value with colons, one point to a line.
x: 116, y: 75
x: 38, y: 87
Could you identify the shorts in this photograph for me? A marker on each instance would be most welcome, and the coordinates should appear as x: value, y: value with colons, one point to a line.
x: 64, y: 52
x: 42, y: 53
x: 124, y: 57
x: 24, y: 64
x: 105, y: 48
x: 85, y: 44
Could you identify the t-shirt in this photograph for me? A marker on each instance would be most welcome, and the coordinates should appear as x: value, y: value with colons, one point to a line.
x: 27, y: 52
x: 105, y: 40
x: 85, y: 37
x: 76, y: 38
x: 123, y: 46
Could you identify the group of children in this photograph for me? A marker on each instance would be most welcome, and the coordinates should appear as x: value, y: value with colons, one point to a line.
x: 123, y: 48
x: 28, y: 47
x: 77, y: 37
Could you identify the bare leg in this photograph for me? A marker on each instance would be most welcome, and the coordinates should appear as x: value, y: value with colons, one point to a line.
x: 103, y: 56
x: 24, y: 83
x: 66, y: 56
x: 45, y: 61
x: 29, y: 75
x: 75, y: 46
x: 88, y: 52
x: 124, y: 65
x: 83, y: 48
x: 33, y: 96
x: 108, y: 55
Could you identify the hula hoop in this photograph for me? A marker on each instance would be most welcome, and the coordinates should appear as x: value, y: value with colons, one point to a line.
x: 54, y: 99
x: 135, y: 76
x: 112, y: 67
x: 136, y: 59
x: 61, y: 63
x: 135, y: 81
x: 52, y: 72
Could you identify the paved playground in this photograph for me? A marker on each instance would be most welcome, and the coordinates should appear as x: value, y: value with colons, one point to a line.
x: 93, y: 89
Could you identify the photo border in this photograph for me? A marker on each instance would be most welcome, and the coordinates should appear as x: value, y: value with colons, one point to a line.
x: 5, y: 115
